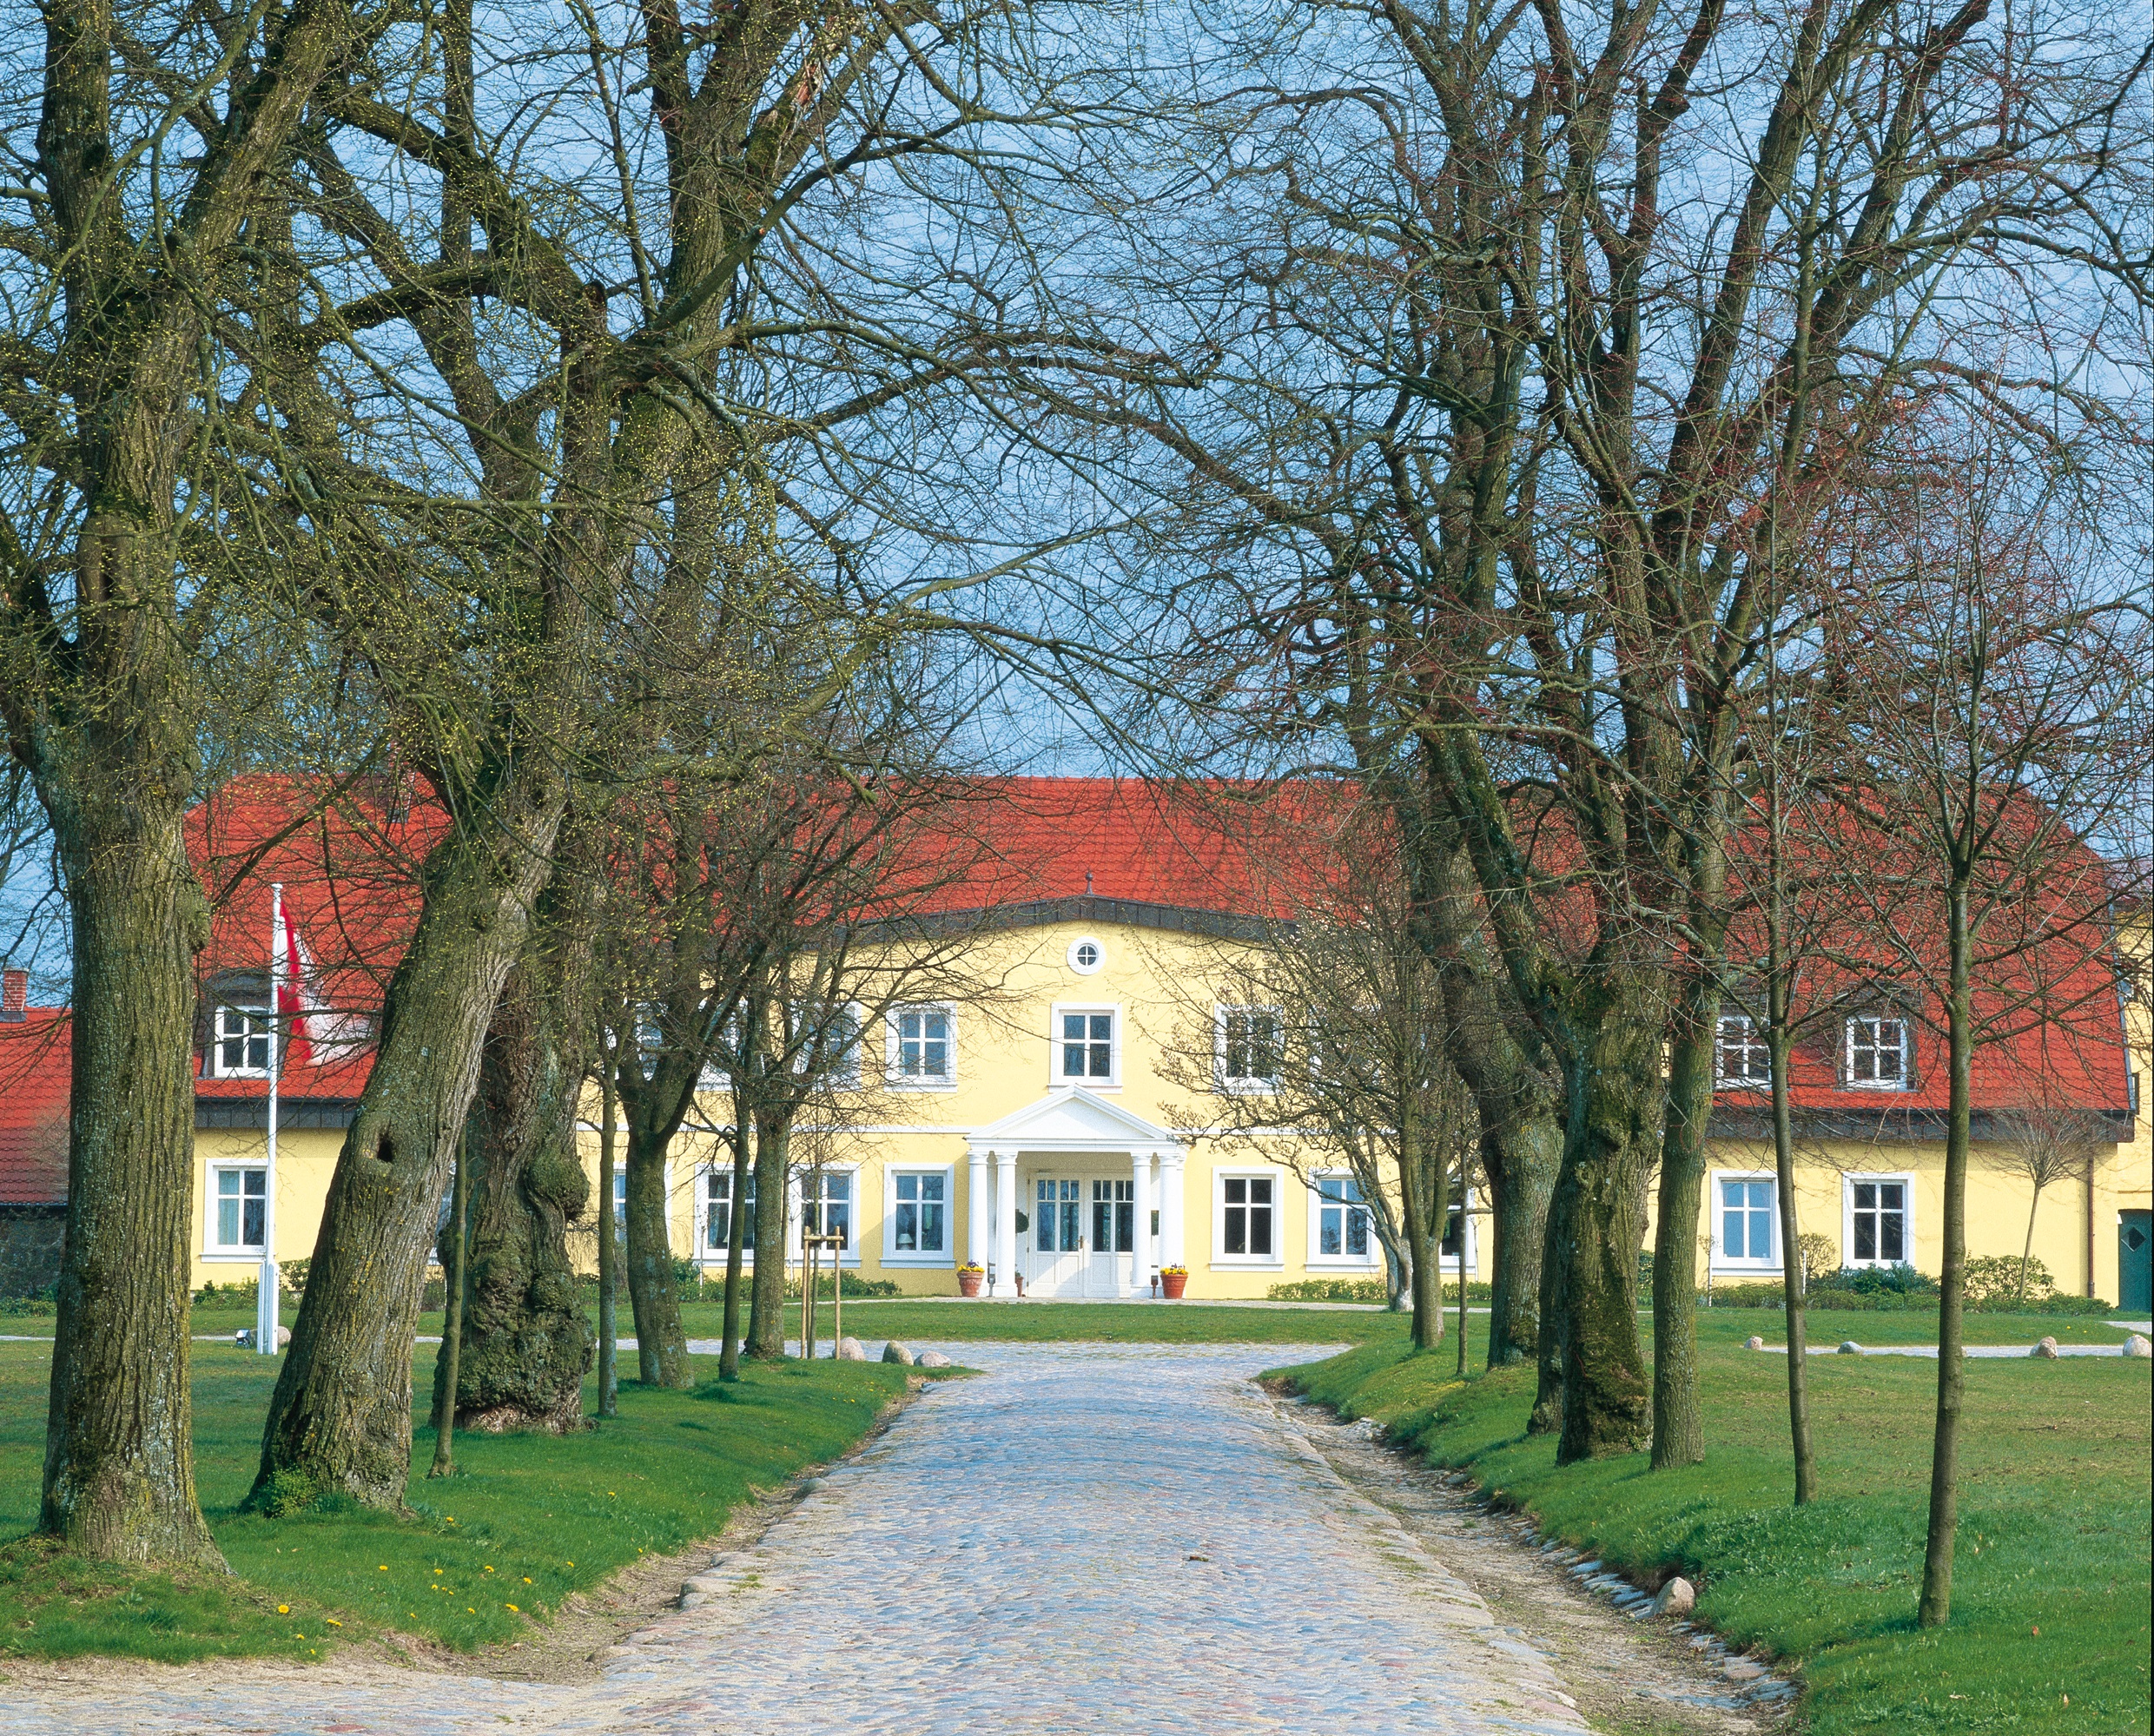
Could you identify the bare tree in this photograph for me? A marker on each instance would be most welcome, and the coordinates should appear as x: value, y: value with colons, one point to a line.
x: 1998, y: 675
x: 1328, y: 1029
x: 1512, y: 323
x: 2043, y: 1144
x: 139, y: 175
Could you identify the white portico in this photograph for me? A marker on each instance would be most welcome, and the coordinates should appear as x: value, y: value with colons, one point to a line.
x: 1087, y: 1176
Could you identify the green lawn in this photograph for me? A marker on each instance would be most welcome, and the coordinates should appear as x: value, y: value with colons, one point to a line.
x: 933, y: 1321
x: 2050, y: 1628
x: 527, y: 1520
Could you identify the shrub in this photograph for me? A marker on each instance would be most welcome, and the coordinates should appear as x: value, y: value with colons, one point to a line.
x: 1330, y: 1289
x: 1993, y: 1280
x: 1900, y: 1280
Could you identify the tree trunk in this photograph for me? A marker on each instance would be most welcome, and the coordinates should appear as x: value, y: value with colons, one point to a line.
x: 735, y: 1236
x: 2026, y: 1248
x: 661, y: 1345
x: 119, y: 1472
x: 1794, y: 1280
x: 766, y: 1310
x: 1935, y: 1608
x: 1678, y: 1429
x: 455, y: 1248
x: 1605, y: 1398
x: 609, y: 1250
x: 1548, y: 1396
x: 1422, y: 1202
x: 1521, y: 1158
x: 525, y: 1345
x: 341, y: 1414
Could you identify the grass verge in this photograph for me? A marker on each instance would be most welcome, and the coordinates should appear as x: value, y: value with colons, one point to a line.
x: 527, y: 1520
x: 2050, y: 1628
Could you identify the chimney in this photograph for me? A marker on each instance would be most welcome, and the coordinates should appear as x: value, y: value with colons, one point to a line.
x: 14, y: 995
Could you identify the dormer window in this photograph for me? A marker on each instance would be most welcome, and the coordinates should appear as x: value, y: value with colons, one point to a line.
x: 239, y: 1043
x: 1877, y: 1056
x: 1742, y: 1059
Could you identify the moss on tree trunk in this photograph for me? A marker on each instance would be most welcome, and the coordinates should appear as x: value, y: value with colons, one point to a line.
x: 1614, y: 1137
x: 526, y: 1346
x: 766, y: 1300
x: 119, y: 1473
x: 661, y: 1344
x: 1678, y: 1428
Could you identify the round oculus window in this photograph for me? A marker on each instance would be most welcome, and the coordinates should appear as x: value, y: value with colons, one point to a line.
x: 1086, y: 955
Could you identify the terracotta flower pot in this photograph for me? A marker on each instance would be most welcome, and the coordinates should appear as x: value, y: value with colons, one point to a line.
x: 1174, y: 1283
x: 968, y: 1284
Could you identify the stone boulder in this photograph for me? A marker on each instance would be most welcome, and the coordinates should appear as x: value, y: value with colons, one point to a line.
x: 1677, y: 1597
x: 1754, y: 1342
x: 895, y: 1352
x: 2137, y: 1345
x: 1849, y: 1347
x: 245, y: 1337
x: 933, y: 1359
x: 2044, y: 1347
x: 849, y: 1350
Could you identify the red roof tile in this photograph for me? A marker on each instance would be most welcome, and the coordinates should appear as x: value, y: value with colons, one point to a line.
x: 34, y: 1068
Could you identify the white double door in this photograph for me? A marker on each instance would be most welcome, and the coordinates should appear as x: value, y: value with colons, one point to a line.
x: 1082, y: 1232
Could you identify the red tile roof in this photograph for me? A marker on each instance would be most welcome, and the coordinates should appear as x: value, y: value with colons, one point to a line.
x: 34, y: 1069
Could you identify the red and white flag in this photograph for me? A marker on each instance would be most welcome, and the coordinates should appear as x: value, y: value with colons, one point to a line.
x: 313, y: 1033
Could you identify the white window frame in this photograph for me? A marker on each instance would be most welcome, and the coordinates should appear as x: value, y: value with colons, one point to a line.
x: 892, y: 1026
x: 259, y: 1019
x: 1245, y: 1085
x: 1754, y: 1038
x: 706, y: 1255
x: 1276, y: 1260
x: 1469, y: 1238
x: 1056, y: 1075
x: 1722, y: 1261
x: 1099, y: 956
x: 248, y: 1252
x: 891, y: 1257
x: 1906, y: 1181
x: 1906, y: 1082
x: 797, y: 1215
x: 1372, y: 1261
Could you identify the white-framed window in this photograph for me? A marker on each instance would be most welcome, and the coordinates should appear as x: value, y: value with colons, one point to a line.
x: 920, y: 1048
x: 917, y: 1229
x: 1086, y: 956
x: 718, y: 1212
x: 716, y: 1073
x: 1746, y: 1230
x: 1879, y: 1220
x: 1339, y: 1232
x: 239, y: 1042
x: 1087, y: 1047
x: 620, y: 1200
x: 1876, y: 1052
x: 826, y: 1205
x: 238, y: 1207
x: 1249, y: 1048
x: 1245, y: 1218
x: 830, y: 1045
x: 1742, y: 1058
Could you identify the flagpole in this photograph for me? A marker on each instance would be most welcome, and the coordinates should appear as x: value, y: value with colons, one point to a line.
x: 266, y: 1321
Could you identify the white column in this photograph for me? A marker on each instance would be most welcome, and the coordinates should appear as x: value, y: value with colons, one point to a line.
x: 1005, y: 1223
x: 1171, y: 1252
x: 1139, y: 1220
x: 976, y: 1206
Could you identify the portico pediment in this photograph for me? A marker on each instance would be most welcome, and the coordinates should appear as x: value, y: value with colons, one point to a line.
x: 1073, y: 1118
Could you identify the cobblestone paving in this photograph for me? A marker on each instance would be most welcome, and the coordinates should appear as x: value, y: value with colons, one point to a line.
x: 1093, y: 1538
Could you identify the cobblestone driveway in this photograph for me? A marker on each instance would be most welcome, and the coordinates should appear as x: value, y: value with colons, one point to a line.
x: 1093, y: 1538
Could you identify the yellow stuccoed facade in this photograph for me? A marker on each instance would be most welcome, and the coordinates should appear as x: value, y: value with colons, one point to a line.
x: 1084, y: 1184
